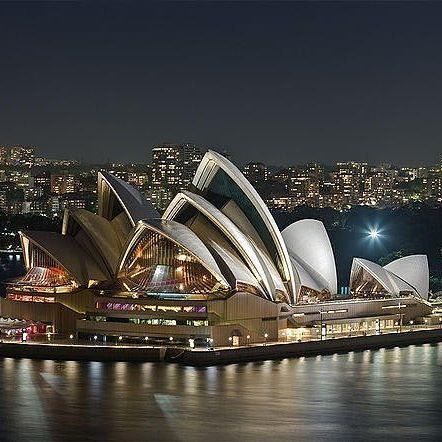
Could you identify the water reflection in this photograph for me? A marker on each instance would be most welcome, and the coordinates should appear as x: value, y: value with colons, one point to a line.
x: 390, y: 393
x: 11, y: 265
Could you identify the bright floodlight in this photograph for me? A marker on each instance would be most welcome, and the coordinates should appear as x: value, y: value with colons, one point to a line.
x: 374, y: 233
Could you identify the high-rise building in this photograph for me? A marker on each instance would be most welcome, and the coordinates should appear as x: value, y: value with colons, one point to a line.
x: 167, y: 165
x: 22, y: 156
x: 173, y: 166
x: 407, y: 174
x: 350, y: 179
x: 3, y: 201
x: 62, y: 183
x: 256, y: 172
x: 167, y: 173
x: 304, y: 184
x: 73, y: 201
x: 380, y: 186
x: 432, y: 185
x: 54, y: 206
x: 192, y: 156
x: 11, y: 198
x: 43, y: 180
x: 328, y: 196
x: 4, y: 154
x: 37, y: 206
x: 21, y: 178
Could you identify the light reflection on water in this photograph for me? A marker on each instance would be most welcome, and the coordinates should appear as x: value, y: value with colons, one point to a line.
x: 11, y: 266
x: 371, y: 395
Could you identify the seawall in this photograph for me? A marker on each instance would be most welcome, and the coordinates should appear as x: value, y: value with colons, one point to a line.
x: 66, y: 352
x: 311, y: 348
x: 203, y: 358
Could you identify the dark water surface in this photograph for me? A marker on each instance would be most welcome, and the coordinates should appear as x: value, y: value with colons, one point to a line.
x: 393, y: 394
x: 11, y: 265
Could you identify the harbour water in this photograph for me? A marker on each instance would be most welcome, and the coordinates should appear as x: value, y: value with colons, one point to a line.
x: 388, y: 394
x: 11, y: 266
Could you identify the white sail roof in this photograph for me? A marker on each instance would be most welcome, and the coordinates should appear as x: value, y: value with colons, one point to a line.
x: 392, y: 282
x: 310, y: 249
x: 132, y: 202
x: 258, y: 262
x: 232, y: 184
x: 180, y: 235
x: 96, y: 234
x: 304, y: 278
x: 414, y: 270
x: 66, y: 251
x: 240, y: 271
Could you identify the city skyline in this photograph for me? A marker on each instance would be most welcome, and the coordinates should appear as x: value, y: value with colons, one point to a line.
x: 33, y: 184
x: 307, y: 81
x: 42, y: 156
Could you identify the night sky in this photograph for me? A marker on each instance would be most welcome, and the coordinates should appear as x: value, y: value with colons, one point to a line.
x: 283, y: 83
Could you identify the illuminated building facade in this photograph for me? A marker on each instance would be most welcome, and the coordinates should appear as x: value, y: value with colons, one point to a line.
x: 256, y: 172
x: 214, y: 266
x: 350, y: 177
x: 62, y: 183
x: 167, y: 173
x: 22, y: 156
x: 173, y: 167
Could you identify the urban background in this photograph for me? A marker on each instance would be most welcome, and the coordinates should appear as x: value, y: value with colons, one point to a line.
x: 402, y: 203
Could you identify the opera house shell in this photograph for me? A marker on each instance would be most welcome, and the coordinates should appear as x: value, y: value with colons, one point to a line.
x: 312, y: 258
x: 215, y: 264
x: 407, y: 275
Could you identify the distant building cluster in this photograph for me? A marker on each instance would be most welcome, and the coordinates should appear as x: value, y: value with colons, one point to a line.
x: 17, y: 155
x: 35, y: 185
x: 345, y: 185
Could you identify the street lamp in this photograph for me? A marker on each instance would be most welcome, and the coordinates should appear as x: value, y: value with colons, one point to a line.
x: 230, y: 340
x: 248, y: 339
x: 95, y: 338
x: 120, y: 338
x: 411, y: 325
x: 146, y: 338
x: 171, y: 339
x: 265, y: 338
x: 322, y: 330
x: 71, y: 336
x: 400, y: 316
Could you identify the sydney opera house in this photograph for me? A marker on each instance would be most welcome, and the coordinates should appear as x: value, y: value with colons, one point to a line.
x: 213, y: 268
